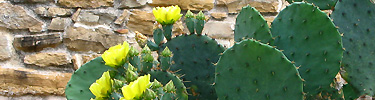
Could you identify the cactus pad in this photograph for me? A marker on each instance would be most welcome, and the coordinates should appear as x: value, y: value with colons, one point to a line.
x: 356, y: 20
x: 251, y: 70
x: 322, y: 4
x: 78, y: 86
x: 165, y: 77
x: 250, y: 24
x: 310, y: 39
x: 194, y: 57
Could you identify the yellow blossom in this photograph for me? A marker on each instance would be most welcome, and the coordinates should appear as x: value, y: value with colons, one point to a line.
x: 167, y: 15
x: 103, y: 86
x: 115, y: 56
x: 136, y: 88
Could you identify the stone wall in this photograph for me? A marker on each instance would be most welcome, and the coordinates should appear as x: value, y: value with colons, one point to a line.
x: 43, y: 41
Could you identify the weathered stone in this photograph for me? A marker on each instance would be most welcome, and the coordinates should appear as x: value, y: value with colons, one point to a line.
x: 123, y: 17
x: 31, y: 1
x: 235, y: 6
x: 86, y: 3
x: 178, y: 28
x: 33, y: 97
x: 6, y: 47
x: 15, y: 17
x: 186, y: 4
x: 217, y: 29
x: 47, y: 59
x: 22, y: 81
x: 36, y: 42
x: 80, y: 59
x: 122, y: 31
x: 59, y: 23
x: 76, y: 14
x: 130, y: 3
x: 88, y: 18
x: 41, y: 11
x: 56, y: 11
x: 82, y: 39
x: 141, y: 21
x: 219, y: 15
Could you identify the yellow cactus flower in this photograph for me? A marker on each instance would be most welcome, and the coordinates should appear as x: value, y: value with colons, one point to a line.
x: 103, y: 86
x: 115, y: 56
x: 136, y: 88
x: 167, y: 15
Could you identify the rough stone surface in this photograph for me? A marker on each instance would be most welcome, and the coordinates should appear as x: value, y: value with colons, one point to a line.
x: 88, y: 18
x: 59, y: 23
x: 130, y: 3
x: 122, y: 18
x: 36, y: 42
x: 31, y: 97
x: 31, y: 1
x: 178, y: 28
x: 186, y: 4
x: 5, y: 45
x: 219, y: 15
x: 41, y: 11
x: 23, y: 81
x: 15, y: 17
x: 269, y: 19
x: 86, y: 3
x: 123, y: 31
x: 216, y: 29
x: 141, y: 21
x: 47, y: 59
x: 82, y: 39
x: 56, y: 11
x: 76, y: 14
x: 235, y: 6
x: 80, y: 59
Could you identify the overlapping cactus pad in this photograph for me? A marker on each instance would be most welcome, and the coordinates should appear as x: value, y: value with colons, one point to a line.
x: 356, y: 20
x: 322, y: 4
x: 251, y: 70
x: 250, y: 24
x: 164, y: 77
x: 194, y: 57
x: 78, y: 86
x: 310, y: 39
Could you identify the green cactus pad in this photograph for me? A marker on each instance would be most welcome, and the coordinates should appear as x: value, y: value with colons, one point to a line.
x: 322, y: 4
x: 250, y: 24
x: 356, y: 20
x: 310, y: 39
x: 164, y: 77
x: 194, y: 57
x: 78, y: 86
x: 251, y: 70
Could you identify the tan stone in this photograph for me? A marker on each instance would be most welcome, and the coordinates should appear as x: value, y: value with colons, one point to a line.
x: 86, y: 3
x: 122, y: 17
x: 33, y: 97
x: 15, y: 17
x: 59, y: 23
x: 178, y: 28
x: 88, y: 18
x: 269, y: 19
x: 41, y: 11
x: 234, y: 6
x: 96, y: 40
x: 47, y: 59
x: 141, y: 21
x: 131, y: 3
x: 186, y: 4
x: 21, y: 81
x: 123, y: 31
x: 76, y: 14
x: 36, y: 42
x: 219, y: 15
x: 56, y: 11
x: 80, y: 59
x: 5, y: 45
x: 217, y: 29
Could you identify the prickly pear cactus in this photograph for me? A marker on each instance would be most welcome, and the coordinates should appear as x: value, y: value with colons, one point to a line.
x: 356, y: 20
x: 78, y: 86
x: 250, y: 24
x: 308, y: 37
x: 164, y: 77
x: 322, y: 4
x: 251, y: 70
x: 194, y: 57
